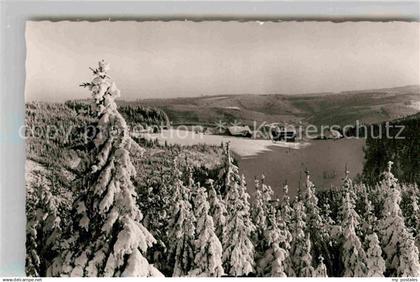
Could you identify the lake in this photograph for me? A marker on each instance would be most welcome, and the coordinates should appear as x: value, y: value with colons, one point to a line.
x: 325, y: 159
x: 280, y: 162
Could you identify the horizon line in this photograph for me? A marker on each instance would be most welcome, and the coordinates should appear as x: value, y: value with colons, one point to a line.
x: 327, y: 93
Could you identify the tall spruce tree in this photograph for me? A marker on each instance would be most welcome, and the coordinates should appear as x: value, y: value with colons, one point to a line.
x: 401, y: 254
x: 277, y: 237
x: 32, y: 261
x: 238, y: 250
x: 353, y: 255
x: 217, y: 209
x: 181, y: 230
x: 52, y: 231
x: 34, y: 228
x: 259, y: 212
x: 286, y: 239
x: 108, y: 237
x: 409, y: 264
x: 369, y: 218
x: 411, y: 212
x: 285, y: 208
x: 260, y: 209
x: 44, y: 228
x: 374, y: 261
x: 208, y: 258
x: 301, y: 245
x: 316, y: 225
x: 307, y: 269
x: 347, y: 187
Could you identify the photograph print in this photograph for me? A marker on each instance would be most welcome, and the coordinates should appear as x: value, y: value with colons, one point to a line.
x: 222, y: 149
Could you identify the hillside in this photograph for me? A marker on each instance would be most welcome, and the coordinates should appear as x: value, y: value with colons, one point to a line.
x: 368, y: 106
x: 404, y: 151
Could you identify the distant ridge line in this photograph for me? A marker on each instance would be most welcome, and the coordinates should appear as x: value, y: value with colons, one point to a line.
x: 410, y: 87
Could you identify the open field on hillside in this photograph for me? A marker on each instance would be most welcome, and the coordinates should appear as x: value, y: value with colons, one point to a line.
x: 367, y: 106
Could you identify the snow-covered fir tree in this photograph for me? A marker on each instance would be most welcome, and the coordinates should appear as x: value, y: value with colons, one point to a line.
x: 155, y: 201
x: 316, y: 225
x: 363, y: 195
x: 301, y: 245
x: 286, y: 237
x: 217, y: 209
x: 285, y: 208
x: 417, y: 238
x: 409, y: 264
x: 33, y: 228
x: 260, y: 206
x: 267, y: 192
x: 208, y: 258
x: 369, y: 218
x: 347, y: 187
x: 259, y: 219
x: 307, y: 269
x: 327, y: 213
x: 353, y: 255
x: 284, y: 219
x: 415, y: 199
x: 238, y: 250
x: 259, y: 211
x: 279, y: 256
x: 401, y: 254
x: 191, y: 185
x: 411, y: 212
x: 321, y: 269
x: 374, y: 261
x: 108, y: 238
x: 277, y: 237
x: 44, y: 228
x: 52, y: 232
x: 181, y: 230
x: 33, y: 261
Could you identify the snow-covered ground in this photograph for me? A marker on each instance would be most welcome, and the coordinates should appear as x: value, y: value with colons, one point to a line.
x: 245, y: 147
x: 415, y: 105
x: 31, y: 168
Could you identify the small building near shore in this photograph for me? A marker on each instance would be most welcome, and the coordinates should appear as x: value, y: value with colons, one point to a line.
x: 237, y: 130
x: 280, y: 133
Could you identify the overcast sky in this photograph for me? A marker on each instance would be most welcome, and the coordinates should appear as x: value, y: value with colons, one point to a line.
x: 179, y: 59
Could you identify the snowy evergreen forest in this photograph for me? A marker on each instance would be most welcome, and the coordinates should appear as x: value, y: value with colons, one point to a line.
x: 120, y: 205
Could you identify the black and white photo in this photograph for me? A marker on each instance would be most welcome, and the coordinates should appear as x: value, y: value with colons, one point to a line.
x: 222, y: 148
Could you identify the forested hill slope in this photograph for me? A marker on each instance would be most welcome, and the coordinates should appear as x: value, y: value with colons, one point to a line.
x: 367, y: 106
x: 314, y: 234
x: 404, y: 151
x: 133, y: 114
x: 57, y: 134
